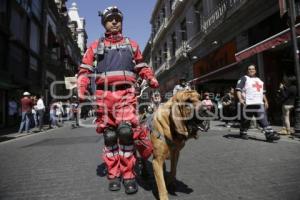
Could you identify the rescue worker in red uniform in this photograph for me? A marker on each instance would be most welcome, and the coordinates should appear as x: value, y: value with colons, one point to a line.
x: 118, y: 63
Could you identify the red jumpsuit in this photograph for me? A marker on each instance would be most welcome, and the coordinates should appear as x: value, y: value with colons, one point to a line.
x: 119, y: 61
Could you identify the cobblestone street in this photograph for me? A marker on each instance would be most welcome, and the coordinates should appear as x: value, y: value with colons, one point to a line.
x: 65, y: 164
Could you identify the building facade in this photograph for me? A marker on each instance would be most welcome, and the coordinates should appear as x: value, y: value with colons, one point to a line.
x: 36, y: 49
x: 80, y: 28
x: 202, y: 40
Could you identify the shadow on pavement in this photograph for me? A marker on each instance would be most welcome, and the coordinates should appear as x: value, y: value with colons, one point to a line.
x: 237, y: 136
x: 148, y: 182
x: 101, y: 170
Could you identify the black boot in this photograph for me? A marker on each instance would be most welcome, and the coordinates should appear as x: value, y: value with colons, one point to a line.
x: 243, y: 135
x: 114, y: 184
x: 142, y: 164
x: 271, y: 135
x: 130, y: 186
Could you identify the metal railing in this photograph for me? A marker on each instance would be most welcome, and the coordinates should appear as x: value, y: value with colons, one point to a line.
x: 160, y: 29
x: 218, y: 14
x: 175, y: 4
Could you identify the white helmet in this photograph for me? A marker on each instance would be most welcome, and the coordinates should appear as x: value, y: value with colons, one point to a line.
x: 109, y: 11
x: 26, y: 94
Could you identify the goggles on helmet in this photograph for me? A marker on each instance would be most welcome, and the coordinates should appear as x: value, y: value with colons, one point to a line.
x: 110, y: 13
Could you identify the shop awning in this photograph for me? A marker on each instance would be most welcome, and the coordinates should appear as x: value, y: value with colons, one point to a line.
x: 209, y: 75
x: 271, y: 42
x: 7, y: 85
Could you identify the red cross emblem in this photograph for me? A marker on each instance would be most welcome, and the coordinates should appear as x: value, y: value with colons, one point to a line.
x: 257, y: 86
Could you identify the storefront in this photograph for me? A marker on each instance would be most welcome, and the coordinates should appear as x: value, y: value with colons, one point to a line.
x: 217, y: 71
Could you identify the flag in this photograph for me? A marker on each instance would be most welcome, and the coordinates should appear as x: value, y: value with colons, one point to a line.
x: 282, y: 7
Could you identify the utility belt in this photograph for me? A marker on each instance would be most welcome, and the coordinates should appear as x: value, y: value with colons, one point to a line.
x: 113, y: 88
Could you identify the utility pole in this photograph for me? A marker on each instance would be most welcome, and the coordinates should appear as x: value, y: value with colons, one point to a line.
x: 292, y: 18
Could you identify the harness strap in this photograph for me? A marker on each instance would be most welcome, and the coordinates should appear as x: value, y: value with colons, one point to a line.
x: 160, y: 136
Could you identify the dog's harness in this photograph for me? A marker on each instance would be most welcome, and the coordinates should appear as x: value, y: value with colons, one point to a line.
x: 158, y: 135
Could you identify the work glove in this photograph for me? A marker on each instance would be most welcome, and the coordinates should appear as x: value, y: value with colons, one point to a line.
x: 153, y: 83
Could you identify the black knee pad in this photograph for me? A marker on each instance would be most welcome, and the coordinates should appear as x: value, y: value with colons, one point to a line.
x: 110, y: 137
x: 125, y: 134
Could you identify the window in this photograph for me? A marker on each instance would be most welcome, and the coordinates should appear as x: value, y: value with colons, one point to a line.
x: 3, y: 51
x: 163, y: 14
x: 155, y: 63
x: 3, y: 11
x: 158, y: 22
x: 198, y: 12
x: 25, y: 4
x: 174, y: 39
x: 34, y: 37
x: 33, y: 63
x: 18, y: 26
x: 183, y: 30
x: 17, y: 60
x: 36, y: 7
x: 170, y: 5
x: 159, y: 58
x: 165, y: 52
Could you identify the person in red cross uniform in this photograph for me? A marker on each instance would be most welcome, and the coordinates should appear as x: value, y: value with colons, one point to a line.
x: 117, y: 61
x: 253, y: 101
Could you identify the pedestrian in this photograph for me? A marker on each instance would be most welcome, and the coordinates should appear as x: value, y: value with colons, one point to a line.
x: 52, y: 113
x: 288, y: 93
x: 252, y: 99
x: 75, y: 111
x: 119, y: 60
x: 33, y: 116
x: 26, y: 106
x: 40, y: 109
x: 218, y: 103
x: 228, y: 107
x: 183, y: 85
x: 208, y: 106
x: 155, y: 102
x: 68, y: 110
x: 59, y: 113
x: 12, y: 111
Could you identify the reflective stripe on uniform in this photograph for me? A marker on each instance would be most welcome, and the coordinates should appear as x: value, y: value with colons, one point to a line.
x: 89, y: 67
x: 111, y: 154
x: 140, y: 65
x: 127, y: 147
x: 110, y: 148
x: 125, y: 154
x: 117, y: 73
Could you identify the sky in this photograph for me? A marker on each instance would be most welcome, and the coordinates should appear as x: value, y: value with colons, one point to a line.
x: 136, y: 21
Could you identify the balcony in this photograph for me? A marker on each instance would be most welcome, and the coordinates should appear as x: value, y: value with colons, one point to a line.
x: 175, y: 4
x: 219, y: 14
x: 160, y: 30
x: 52, y: 57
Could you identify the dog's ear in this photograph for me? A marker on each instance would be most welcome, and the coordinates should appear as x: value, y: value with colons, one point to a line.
x: 183, y: 110
x: 178, y: 119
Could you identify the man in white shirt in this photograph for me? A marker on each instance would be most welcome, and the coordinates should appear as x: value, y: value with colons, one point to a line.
x: 251, y: 96
x: 40, y: 109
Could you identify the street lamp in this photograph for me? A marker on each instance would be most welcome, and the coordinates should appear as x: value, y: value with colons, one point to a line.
x: 297, y: 69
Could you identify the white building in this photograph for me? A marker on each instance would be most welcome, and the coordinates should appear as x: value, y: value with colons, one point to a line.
x: 81, y: 33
